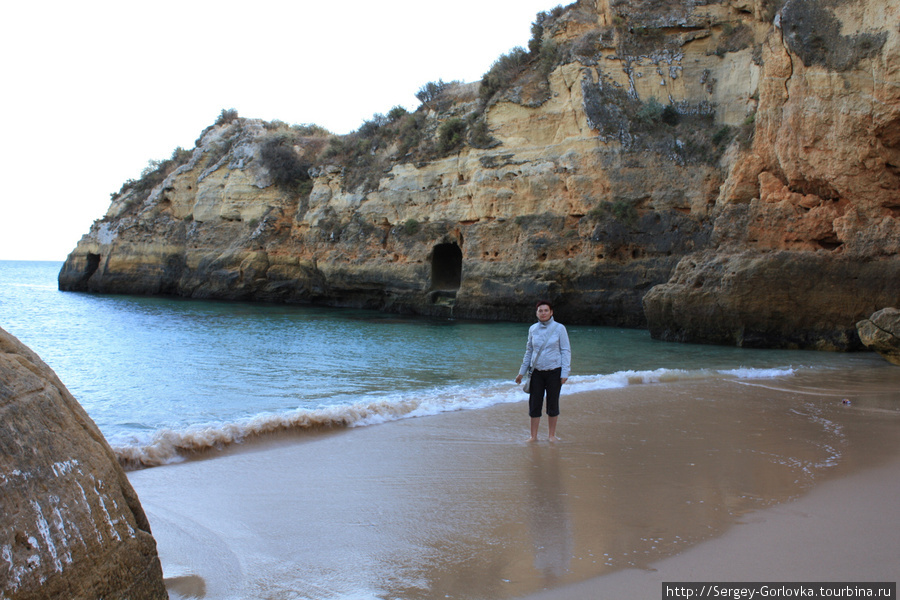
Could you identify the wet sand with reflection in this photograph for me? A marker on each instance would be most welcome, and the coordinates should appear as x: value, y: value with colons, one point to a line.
x: 460, y: 506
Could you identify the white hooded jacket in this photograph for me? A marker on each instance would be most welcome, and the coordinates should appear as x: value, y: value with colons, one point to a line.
x: 557, y: 352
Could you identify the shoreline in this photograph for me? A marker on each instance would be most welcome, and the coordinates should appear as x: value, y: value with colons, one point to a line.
x: 691, y: 480
x: 202, y: 442
x: 844, y: 530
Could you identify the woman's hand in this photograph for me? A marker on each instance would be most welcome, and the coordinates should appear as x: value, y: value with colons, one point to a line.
x: 519, y: 378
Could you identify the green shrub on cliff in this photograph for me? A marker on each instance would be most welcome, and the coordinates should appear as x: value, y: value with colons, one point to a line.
x: 397, y: 113
x: 411, y: 132
x: 722, y: 135
x: 479, y: 134
x: 181, y: 156
x: 227, y: 116
x: 549, y: 56
x: 538, y: 25
x: 380, y: 142
x: 411, y: 227
x: 652, y: 113
x: 431, y: 91
x: 537, y: 33
x: 503, y: 72
x: 746, y: 131
x: 364, y: 152
x: 508, y: 67
x: 359, y: 153
x: 451, y: 135
x: 154, y: 174
x: 310, y: 130
x: 288, y: 171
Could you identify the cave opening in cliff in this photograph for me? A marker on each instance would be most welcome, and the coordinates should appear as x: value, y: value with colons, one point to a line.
x: 446, y: 267
x: 91, y: 266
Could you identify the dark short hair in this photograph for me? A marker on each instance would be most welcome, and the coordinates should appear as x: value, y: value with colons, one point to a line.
x: 542, y: 303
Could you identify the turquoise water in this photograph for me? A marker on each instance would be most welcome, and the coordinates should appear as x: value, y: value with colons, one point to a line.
x: 163, y: 376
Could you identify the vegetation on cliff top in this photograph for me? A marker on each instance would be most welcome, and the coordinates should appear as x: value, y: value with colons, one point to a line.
x: 451, y: 115
x: 154, y: 174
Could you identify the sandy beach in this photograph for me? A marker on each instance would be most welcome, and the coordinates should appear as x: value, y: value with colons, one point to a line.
x: 708, y: 480
x: 843, y: 531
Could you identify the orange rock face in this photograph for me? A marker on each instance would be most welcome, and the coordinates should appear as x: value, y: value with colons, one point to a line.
x: 818, y: 187
x: 825, y: 155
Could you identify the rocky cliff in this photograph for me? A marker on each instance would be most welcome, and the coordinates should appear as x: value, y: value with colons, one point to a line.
x: 72, y: 525
x: 806, y: 234
x: 722, y: 171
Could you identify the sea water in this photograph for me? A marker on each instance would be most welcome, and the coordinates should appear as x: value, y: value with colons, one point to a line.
x: 163, y: 377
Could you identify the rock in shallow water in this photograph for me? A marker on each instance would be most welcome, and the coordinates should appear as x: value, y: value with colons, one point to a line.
x: 770, y: 299
x: 881, y: 333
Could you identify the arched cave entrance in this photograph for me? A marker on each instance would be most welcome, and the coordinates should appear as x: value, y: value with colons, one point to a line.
x: 92, y: 263
x: 446, y: 267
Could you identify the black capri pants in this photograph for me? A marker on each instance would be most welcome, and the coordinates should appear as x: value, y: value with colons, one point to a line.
x: 545, y: 381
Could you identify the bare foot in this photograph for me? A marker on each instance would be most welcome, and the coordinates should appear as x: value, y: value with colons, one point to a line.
x: 553, y: 438
x: 531, y: 440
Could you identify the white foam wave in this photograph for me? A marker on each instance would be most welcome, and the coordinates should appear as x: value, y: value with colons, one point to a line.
x: 750, y: 373
x: 168, y: 446
x: 34, y: 286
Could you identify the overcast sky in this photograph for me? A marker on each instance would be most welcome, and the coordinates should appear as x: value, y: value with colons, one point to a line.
x: 94, y: 90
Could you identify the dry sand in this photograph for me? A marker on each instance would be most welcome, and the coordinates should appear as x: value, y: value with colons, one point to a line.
x: 715, y: 480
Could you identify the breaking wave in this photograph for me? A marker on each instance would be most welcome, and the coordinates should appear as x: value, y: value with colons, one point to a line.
x: 167, y: 446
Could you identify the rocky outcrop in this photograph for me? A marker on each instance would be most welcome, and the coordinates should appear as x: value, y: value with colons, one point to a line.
x: 806, y: 234
x: 881, y: 333
x: 72, y: 525
x: 638, y: 136
x: 749, y: 299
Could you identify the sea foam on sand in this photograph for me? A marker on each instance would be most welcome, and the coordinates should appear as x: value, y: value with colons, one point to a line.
x: 168, y: 446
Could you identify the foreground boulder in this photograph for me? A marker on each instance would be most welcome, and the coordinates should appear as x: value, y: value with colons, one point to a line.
x: 72, y: 524
x: 881, y: 333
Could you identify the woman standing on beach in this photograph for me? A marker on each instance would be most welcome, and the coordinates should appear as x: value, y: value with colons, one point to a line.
x: 547, y: 359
